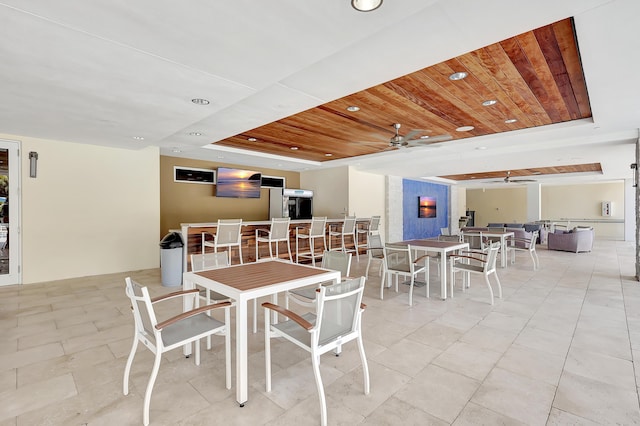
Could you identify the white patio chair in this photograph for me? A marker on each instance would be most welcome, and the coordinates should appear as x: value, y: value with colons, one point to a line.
x: 228, y: 234
x: 375, y: 250
x: 341, y: 230
x: 337, y: 321
x: 279, y: 232
x: 317, y: 230
x: 525, y: 244
x: 306, y: 296
x: 477, y: 263
x: 182, y: 329
x: 399, y: 261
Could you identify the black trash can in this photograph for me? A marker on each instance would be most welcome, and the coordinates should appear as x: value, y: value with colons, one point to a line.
x: 171, y: 247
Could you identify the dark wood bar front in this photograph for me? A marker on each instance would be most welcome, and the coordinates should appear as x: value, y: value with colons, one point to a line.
x: 192, y: 235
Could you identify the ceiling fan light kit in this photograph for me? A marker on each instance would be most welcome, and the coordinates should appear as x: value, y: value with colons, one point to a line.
x: 365, y: 5
x: 414, y: 138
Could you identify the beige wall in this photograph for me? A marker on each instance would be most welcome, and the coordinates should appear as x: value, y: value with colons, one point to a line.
x: 558, y: 202
x: 330, y: 191
x: 499, y: 205
x: 194, y: 203
x: 585, y: 202
x: 367, y: 195
x: 345, y: 190
x: 91, y: 210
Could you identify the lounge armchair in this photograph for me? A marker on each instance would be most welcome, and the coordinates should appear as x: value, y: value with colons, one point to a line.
x: 576, y: 240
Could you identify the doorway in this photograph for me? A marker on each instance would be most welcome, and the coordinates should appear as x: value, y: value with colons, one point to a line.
x: 10, y: 213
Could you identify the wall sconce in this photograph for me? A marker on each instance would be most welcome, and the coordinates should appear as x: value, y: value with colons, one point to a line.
x: 33, y: 164
x: 634, y: 166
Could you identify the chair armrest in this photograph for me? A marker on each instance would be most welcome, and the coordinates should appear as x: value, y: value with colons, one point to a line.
x: 191, y: 313
x: 421, y: 257
x: 174, y: 294
x: 481, y: 253
x: 469, y: 257
x: 291, y: 315
x: 363, y: 306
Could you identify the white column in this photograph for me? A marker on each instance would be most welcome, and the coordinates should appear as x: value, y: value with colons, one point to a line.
x: 533, y: 202
x: 454, y: 213
x: 394, y: 217
x: 629, y: 210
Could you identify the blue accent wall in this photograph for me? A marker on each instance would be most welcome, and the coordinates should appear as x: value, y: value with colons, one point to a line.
x: 415, y: 227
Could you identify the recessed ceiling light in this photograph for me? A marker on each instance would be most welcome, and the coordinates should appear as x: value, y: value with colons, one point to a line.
x: 252, y: 139
x: 353, y: 108
x: 200, y: 101
x: 176, y: 150
x: 195, y: 134
x: 138, y: 138
x: 221, y: 156
x: 294, y: 148
x: 489, y: 102
x: 365, y: 5
x: 424, y: 137
x: 458, y: 75
x: 511, y: 120
x: 328, y: 154
x: 473, y: 177
x: 465, y: 129
x: 480, y: 148
x: 536, y: 173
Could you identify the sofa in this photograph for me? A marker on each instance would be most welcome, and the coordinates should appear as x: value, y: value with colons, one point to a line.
x: 528, y: 227
x: 519, y: 233
x: 575, y: 240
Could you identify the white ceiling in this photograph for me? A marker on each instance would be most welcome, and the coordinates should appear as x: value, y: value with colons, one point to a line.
x: 104, y: 71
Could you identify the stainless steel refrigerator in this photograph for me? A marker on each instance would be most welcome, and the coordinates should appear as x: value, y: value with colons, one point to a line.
x: 292, y: 203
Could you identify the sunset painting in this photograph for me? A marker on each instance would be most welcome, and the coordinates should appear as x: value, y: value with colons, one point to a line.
x: 427, y: 207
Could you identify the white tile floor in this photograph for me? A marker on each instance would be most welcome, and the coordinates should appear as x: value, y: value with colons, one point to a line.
x: 558, y: 349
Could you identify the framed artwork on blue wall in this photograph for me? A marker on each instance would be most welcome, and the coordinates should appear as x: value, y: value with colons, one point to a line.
x: 426, y: 207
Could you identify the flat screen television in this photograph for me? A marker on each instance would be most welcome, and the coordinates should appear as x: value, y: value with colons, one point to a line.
x: 427, y: 207
x: 236, y: 183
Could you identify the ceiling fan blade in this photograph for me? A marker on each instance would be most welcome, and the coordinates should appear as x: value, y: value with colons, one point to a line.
x: 429, y: 141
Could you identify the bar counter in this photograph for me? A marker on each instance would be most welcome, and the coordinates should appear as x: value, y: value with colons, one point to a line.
x: 193, y: 239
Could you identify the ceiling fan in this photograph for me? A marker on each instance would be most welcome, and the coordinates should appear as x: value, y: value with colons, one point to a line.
x: 415, y: 137
x: 508, y: 179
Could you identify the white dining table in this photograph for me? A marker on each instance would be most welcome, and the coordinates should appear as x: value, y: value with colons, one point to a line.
x: 443, y: 248
x: 250, y: 281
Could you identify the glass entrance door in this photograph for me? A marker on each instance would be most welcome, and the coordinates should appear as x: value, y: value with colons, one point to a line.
x: 9, y: 213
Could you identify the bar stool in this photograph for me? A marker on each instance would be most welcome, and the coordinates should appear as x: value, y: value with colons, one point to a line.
x: 317, y: 230
x: 228, y: 234
x: 348, y: 229
x: 279, y: 232
x: 370, y: 228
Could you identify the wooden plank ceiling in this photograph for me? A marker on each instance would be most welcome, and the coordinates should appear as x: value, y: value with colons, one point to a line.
x: 554, y: 170
x: 535, y: 78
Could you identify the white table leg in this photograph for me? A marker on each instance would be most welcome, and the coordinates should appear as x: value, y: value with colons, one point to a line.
x: 241, y: 352
x: 187, y: 305
x: 443, y: 276
x: 503, y: 252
